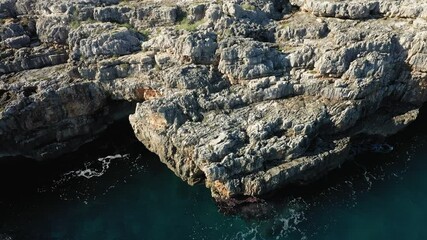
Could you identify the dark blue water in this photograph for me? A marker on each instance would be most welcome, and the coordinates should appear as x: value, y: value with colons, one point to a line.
x: 114, y: 189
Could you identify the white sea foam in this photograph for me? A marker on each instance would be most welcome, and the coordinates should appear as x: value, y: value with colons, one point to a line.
x: 93, y: 172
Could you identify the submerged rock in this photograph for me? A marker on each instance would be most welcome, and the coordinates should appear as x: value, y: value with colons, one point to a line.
x: 245, y: 96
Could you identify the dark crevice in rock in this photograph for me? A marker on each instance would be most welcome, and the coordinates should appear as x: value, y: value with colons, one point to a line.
x: 28, y: 91
x: 2, y: 91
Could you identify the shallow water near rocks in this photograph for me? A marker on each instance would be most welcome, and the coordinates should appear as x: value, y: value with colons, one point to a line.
x: 114, y: 188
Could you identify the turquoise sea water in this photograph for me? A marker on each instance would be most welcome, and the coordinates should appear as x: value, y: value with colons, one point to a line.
x: 114, y: 189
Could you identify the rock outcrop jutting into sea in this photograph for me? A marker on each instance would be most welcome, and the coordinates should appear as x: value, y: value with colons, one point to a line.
x: 244, y: 95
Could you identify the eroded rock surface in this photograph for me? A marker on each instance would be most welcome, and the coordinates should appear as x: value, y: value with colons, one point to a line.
x: 243, y: 95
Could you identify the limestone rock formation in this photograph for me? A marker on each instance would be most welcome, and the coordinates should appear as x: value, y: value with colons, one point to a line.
x: 245, y: 96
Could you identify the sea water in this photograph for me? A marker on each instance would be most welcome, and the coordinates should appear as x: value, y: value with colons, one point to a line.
x: 114, y: 188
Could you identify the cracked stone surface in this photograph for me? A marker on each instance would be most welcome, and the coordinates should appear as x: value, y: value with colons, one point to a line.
x: 245, y: 96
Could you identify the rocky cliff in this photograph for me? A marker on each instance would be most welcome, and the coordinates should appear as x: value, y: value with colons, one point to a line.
x: 243, y: 95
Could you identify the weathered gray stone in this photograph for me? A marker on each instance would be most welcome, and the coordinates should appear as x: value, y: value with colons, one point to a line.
x: 7, y: 8
x: 196, y: 12
x: 149, y: 16
x: 37, y: 57
x: 51, y: 118
x: 246, y: 59
x: 259, y: 132
x: 11, y: 30
x: 53, y: 28
x: 340, y: 9
x: 245, y: 96
x: 112, y: 14
x: 93, y: 40
x: 18, y: 42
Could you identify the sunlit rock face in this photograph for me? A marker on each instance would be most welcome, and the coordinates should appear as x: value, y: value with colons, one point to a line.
x: 245, y: 96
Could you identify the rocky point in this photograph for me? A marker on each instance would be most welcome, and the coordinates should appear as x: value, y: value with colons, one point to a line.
x: 244, y: 96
